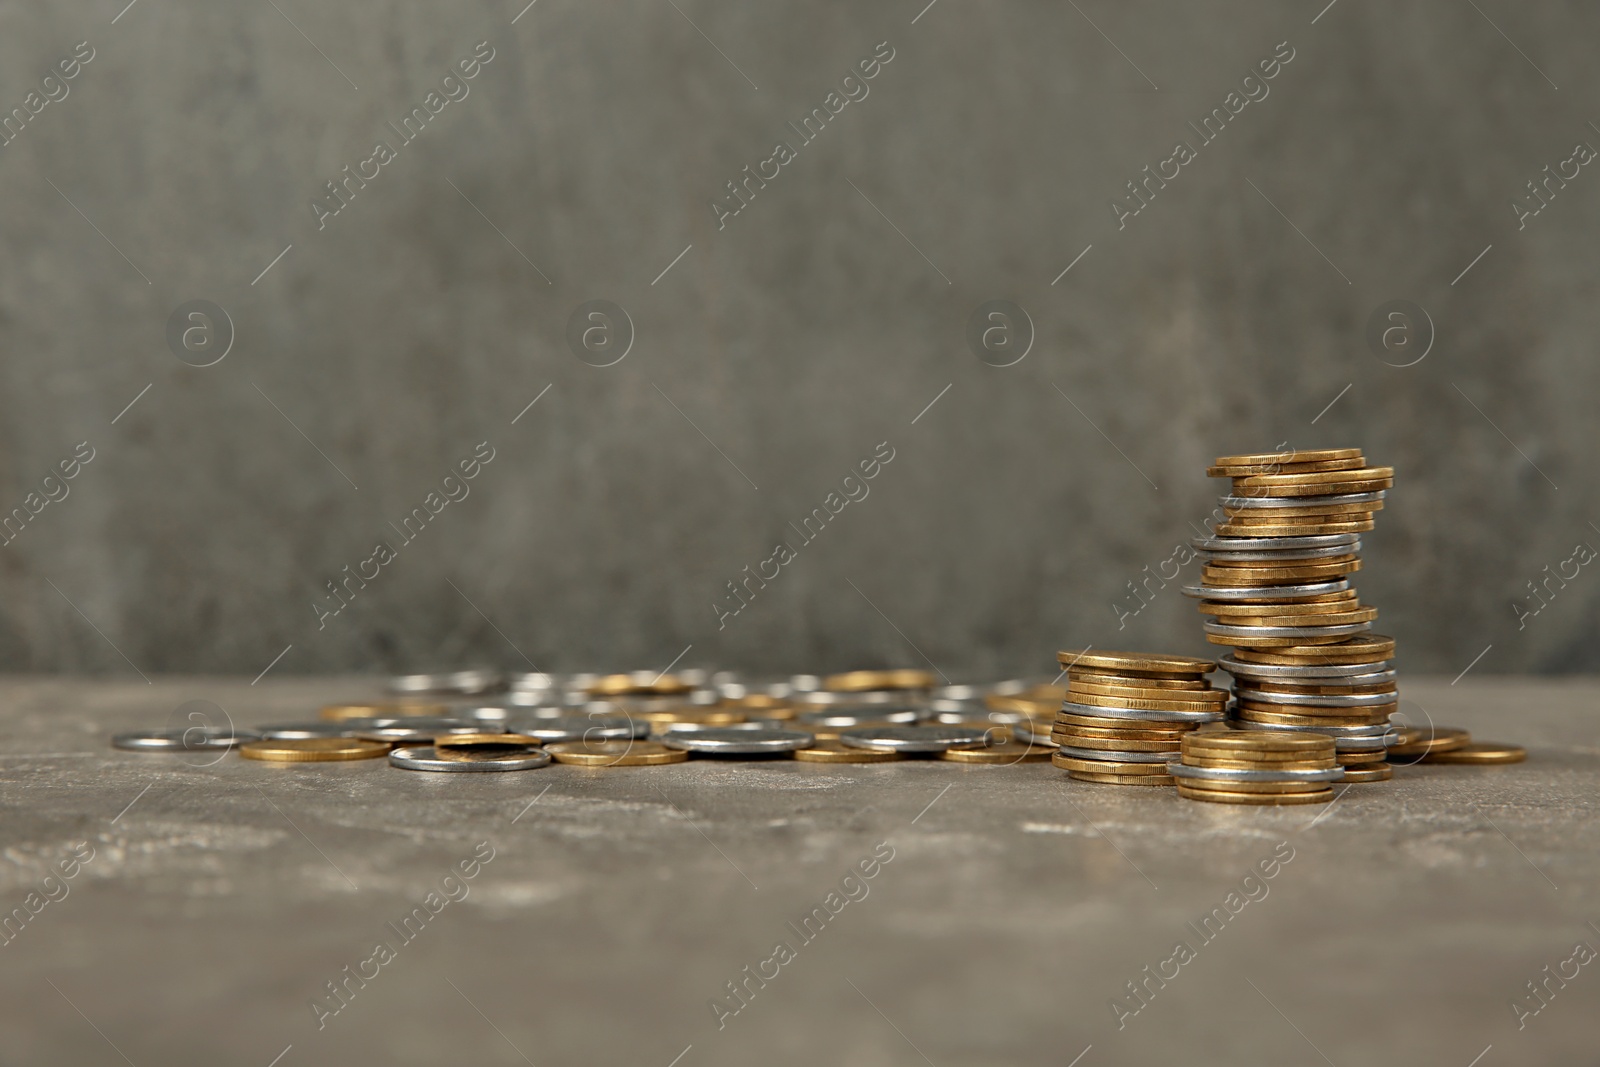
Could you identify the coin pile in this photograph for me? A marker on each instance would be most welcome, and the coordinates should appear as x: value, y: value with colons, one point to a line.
x: 1127, y: 714
x: 1256, y: 767
x: 1276, y: 586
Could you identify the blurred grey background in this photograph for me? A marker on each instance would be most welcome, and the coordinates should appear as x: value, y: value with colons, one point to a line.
x: 772, y: 355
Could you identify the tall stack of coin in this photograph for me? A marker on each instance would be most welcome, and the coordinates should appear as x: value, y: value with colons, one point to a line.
x: 1276, y: 585
x: 1256, y: 767
x: 1126, y: 714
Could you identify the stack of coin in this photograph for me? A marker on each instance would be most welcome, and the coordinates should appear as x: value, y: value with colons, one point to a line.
x: 1256, y: 767
x: 1276, y: 586
x: 1126, y: 714
x: 1345, y: 690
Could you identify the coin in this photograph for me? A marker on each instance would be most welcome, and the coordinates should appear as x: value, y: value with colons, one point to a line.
x: 692, y: 713
x: 735, y: 742
x: 418, y: 731
x: 385, y: 709
x: 313, y: 750
x: 1067, y: 762
x: 1247, y: 594
x: 1267, y: 799
x: 460, y: 746
x: 1260, y: 788
x: 845, y: 718
x: 1082, y: 676
x: 1478, y: 752
x: 1306, y: 455
x: 1363, y: 649
x: 830, y: 750
x: 1122, y: 779
x: 614, y: 753
x: 1117, y: 755
x: 1137, y: 662
x: 1380, y: 772
x: 1430, y: 741
x: 464, y: 683
x: 191, y: 739
x: 295, y: 731
x: 578, y: 727
x: 1250, y: 741
x: 639, y: 683
x: 427, y: 758
x: 1319, y: 619
x: 1068, y: 738
x: 1294, y: 529
x: 1250, y: 694
x: 1143, y: 714
x: 914, y: 738
x: 1005, y: 752
x: 1245, y: 470
x: 1094, y: 700
x: 1124, y: 728
x: 1145, y: 692
x: 1238, y: 776
x: 857, y: 681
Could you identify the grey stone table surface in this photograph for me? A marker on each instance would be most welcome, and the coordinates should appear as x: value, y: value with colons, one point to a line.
x: 209, y: 907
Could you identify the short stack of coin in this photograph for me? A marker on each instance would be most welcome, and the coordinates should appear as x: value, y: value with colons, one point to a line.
x: 1126, y: 714
x: 1256, y: 767
x: 1276, y: 586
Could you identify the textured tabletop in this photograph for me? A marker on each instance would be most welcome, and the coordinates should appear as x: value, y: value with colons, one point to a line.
x: 780, y: 912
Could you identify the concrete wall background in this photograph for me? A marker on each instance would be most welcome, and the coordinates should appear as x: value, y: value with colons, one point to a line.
x: 796, y: 339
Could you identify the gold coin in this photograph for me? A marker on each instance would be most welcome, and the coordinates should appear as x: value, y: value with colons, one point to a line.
x: 1361, y: 648
x: 1021, y: 705
x: 1148, y: 692
x: 1315, y: 478
x: 1106, y: 766
x: 694, y: 713
x: 1234, y: 529
x: 1378, y: 772
x: 1255, y: 787
x: 1298, y: 513
x: 865, y: 681
x: 1276, y: 564
x: 1340, y: 618
x: 1287, y: 715
x: 1152, y: 732
x: 1269, y: 643
x: 1165, y: 683
x: 1352, y: 759
x: 1137, y: 662
x: 1145, y: 703
x: 639, y: 683
x: 1005, y: 752
x: 1426, y: 741
x: 1479, y: 752
x: 1368, y: 485
x: 386, y: 709
x: 831, y: 750
x: 1122, y: 779
x: 614, y: 753
x: 1276, y: 459
x: 1247, y: 470
x: 1221, y: 757
x: 313, y: 750
x: 1271, y: 799
x: 1063, y: 736
x: 1247, y: 741
x: 1328, y: 688
x: 1223, y: 610
x: 1218, y: 574
x: 482, y: 746
x: 761, y: 706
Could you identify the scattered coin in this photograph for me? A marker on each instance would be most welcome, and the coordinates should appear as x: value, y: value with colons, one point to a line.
x: 1004, y: 752
x: 737, y: 742
x: 313, y: 750
x: 1479, y: 753
x: 614, y: 753
x: 426, y: 758
x: 915, y: 739
x: 831, y: 750
x: 1419, y: 742
x: 1376, y: 772
x: 192, y: 739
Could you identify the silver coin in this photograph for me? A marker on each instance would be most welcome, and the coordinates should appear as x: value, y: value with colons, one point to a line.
x: 916, y: 738
x: 735, y: 742
x: 1317, y: 700
x: 1114, y: 756
x: 1141, y: 713
x: 422, y: 729
x: 1011, y: 687
x: 891, y: 698
x: 1378, y: 730
x: 424, y: 758
x: 1223, y: 630
x: 531, y: 680
x: 1277, y: 554
x: 805, y: 683
x: 192, y: 739
x: 1333, y: 500
x: 1265, y: 592
x: 580, y: 728
x: 419, y: 683
x: 1179, y: 769
x: 1026, y: 731
x: 858, y: 716
x: 1378, y: 670
x: 659, y: 729
x: 1270, y: 544
x: 497, y: 714
x: 300, y: 731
